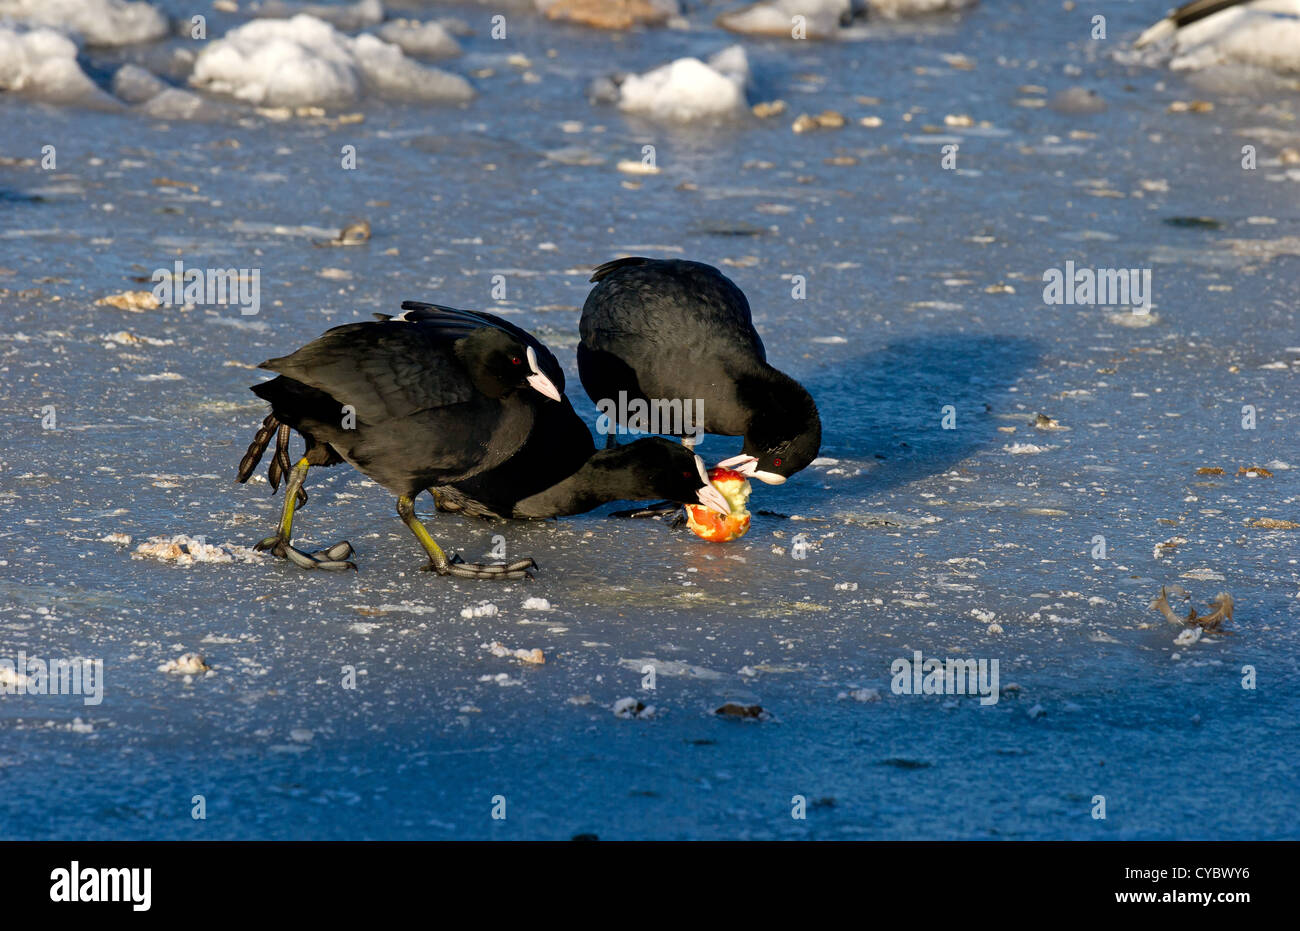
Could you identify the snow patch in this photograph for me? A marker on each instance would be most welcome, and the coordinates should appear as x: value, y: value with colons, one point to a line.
x: 188, y: 664
x: 133, y: 84
x: 428, y: 40
x: 534, y: 656
x: 99, y: 22
x: 482, y: 609
x: 632, y: 708
x: 42, y: 64
x: 688, y: 89
x: 1239, y: 36
x: 1027, y: 449
x: 305, y: 61
x: 186, y: 551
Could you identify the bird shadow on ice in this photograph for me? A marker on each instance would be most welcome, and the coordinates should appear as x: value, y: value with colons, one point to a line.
x: 888, y: 407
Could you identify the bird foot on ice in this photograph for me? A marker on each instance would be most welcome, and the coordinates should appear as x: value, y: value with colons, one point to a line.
x: 333, y: 558
x: 519, y: 569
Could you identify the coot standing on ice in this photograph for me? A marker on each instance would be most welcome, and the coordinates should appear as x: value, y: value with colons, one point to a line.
x: 671, y: 329
x: 430, y: 397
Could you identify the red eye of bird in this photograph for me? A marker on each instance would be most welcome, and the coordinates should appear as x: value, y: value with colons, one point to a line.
x: 777, y: 463
x: 516, y: 361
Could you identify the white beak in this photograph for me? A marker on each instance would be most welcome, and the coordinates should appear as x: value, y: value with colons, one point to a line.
x: 743, y: 464
x: 544, y: 385
x: 713, y: 499
x: 539, y: 382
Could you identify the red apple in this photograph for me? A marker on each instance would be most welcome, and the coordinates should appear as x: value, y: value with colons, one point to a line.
x: 714, y: 527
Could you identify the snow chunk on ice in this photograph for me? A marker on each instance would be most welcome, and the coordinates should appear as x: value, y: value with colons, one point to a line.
x: 1027, y: 449
x: 134, y: 84
x: 42, y: 64
x: 176, y: 104
x: 632, y: 708
x: 429, y: 40
x: 156, y: 98
x: 188, y: 664
x: 536, y: 604
x: 822, y: 19
x: 1239, y: 36
x: 99, y: 22
x: 305, y: 61
x: 688, y: 89
x: 482, y: 609
x: 186, y: 551
x: 534, y: 656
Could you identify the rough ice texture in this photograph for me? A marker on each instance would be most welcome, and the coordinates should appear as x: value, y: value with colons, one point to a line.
x: 611, y: 14
x: 897, y: 9
x: 346, y: 16
x: 824, y: 19
x: 176, y: 104
x: 428, y: 40
x: 134, y: 84
x: 42, y: 63
x: 305, y: 61
x: 99, y: 22
x: 1239, y: 36
x: 689, y: 89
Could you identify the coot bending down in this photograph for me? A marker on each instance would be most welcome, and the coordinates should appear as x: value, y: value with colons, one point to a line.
x: 430, y: 397
x: 670, y: 329
x: 558, y: 472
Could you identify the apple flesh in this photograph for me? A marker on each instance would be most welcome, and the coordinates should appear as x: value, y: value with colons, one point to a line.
x: 714, y: 527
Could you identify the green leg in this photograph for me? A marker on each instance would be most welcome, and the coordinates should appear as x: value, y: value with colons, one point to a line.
x: 335, y: 557
x: 439, y: 563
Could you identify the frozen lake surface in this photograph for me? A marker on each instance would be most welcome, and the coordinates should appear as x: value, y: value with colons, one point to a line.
x: 924, y: 289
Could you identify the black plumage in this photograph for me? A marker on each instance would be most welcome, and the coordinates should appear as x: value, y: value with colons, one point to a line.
x: 559, y: 472
x: 673, y: 329
x: 433, y: 396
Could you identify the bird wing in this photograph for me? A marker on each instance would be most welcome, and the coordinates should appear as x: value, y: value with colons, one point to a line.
x: 668, y: 302
x: 453, y: 319
x: 384, y: 370
x: 398, y: 365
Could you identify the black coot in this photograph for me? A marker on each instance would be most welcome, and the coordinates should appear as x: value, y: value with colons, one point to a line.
x: 433, y: 396
x: 558, y: 472
x: 665, y: 329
